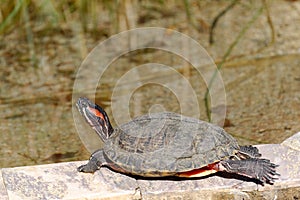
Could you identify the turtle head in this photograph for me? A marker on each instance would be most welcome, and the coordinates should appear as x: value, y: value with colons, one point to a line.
x: 96, y: 117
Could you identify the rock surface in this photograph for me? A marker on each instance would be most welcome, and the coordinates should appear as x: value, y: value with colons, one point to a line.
x: 62, y: 181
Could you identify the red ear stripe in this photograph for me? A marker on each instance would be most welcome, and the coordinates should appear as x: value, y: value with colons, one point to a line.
x: 96, y: 112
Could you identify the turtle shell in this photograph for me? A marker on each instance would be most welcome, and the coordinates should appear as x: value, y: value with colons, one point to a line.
x: 164, y: 144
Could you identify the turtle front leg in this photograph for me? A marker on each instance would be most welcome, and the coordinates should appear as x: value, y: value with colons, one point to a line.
x: 260, y: 169
x: 96, y: 161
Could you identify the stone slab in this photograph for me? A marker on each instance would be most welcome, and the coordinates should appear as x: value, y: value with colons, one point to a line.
x: 62, y: 181
x: 3, y: 192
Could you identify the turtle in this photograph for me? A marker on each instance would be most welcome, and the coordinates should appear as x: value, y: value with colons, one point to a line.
x: 167, y: 144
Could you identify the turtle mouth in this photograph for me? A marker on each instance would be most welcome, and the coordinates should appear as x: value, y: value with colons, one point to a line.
x: 84, y: 102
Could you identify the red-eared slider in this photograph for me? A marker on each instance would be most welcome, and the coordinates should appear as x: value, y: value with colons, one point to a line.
x: 169, y: 144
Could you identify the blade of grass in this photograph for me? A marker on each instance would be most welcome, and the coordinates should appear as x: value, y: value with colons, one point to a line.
x: 189, y: 14
x: 29, y: 36
x: 214, y: 24
x: 11, y: 16
x: 48, y: 7
x: 269, y: 21
x: 227, y: 53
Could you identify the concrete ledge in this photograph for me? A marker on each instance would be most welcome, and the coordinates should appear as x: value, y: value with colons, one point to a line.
x: 62, y: 181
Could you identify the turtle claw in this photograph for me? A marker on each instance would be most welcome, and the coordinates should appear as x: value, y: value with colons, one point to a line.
x: 88, y: 168
x: 95, y: 162
x: 267, y: 172
x: 250, y: 151
x: 81, y: 168
x: 260, y: 169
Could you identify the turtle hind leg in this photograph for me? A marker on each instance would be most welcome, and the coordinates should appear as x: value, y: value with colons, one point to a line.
x: 260, y: 169
x: 249, y: 152
x: 96, y: 161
